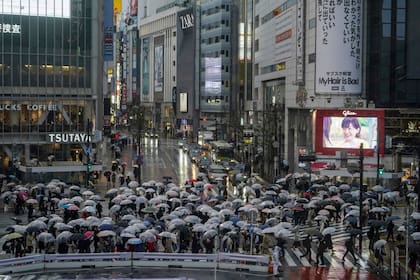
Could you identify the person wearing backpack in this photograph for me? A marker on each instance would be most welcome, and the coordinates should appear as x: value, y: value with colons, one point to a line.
x: 349, y: 249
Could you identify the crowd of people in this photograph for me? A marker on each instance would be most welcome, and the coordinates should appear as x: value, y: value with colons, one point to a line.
x: 196, y: 217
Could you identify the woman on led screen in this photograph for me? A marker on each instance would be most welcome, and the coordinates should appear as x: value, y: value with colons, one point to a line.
x: 351, y: 134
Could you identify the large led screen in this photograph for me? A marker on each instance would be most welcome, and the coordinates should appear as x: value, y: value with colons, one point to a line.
x: 346, y: 130
x: 46, y: 8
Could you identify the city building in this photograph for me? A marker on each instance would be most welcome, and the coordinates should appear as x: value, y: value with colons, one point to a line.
x: 50, y: 88
x: 316, y: 63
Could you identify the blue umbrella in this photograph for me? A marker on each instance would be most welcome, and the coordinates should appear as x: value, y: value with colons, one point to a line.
x: 234, y: 219
x: 264, y: 226
x: 392, y: 218
x: 106, y: 227
x: 65, y: 206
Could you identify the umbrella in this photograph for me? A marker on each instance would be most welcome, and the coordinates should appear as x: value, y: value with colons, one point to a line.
x: 330, y: 207
x: 127, y: 234
x: 323, y: 212
x: 148, y: 236
x: 378, y: 210
x: 356, y: 231
x: 107, y: 227
x: 45, y: 237
x: 31, y: 201
x: 415, y: 215
x: 13, y: 235
x: 89, y: 209
x: 167, y: 234
x: 192, y: 219
x: 328, y: 230
x: 76, y: 237
x: 313, y: 231
x: 379, y: 243
x: 134, y: 241
x: 392, y: 218
x: 36, y: 226
x: 210, y: 234
x: 105, y: 233
x: 62, y: 226
x: 64, y: 237
x: 88, y: 234
x: 87, y: 193
x: 416, y: 236
x: 73, y: 207
x: 149, y: 210
x: 378, y: 188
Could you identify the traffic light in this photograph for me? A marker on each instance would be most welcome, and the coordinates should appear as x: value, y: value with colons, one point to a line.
x: 89, y: 166
x: 381, y: 169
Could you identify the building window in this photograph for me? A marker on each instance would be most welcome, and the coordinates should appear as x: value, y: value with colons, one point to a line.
x: 173, y: 78
x: 173, y: 33
x: 257, y: 21
x: 227, y: 38
x: 312, y: 23
x: 256, y: 69
x: 227, y: 53
x: 173, y: 62
x: 257, y: 45
x: 226, y: 83
x: 311, y: 58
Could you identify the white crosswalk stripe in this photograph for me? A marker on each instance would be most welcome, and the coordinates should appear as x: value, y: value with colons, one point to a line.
x: 293, y: 257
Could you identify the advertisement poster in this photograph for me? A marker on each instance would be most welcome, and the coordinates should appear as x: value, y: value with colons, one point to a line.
x: 339, y: 46
x: 159, y: 68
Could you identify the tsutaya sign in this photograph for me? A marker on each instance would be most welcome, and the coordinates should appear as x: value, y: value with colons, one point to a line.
x: 69, y: 138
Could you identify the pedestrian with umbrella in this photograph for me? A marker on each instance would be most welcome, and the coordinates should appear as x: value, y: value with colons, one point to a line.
x: 349, y: 249
x: 307, y: 244
x: 322, y: 247
x: 380, y: 251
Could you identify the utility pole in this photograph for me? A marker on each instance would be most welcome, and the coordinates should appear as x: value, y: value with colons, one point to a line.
x: 88, y: 164
x: 361, y: 157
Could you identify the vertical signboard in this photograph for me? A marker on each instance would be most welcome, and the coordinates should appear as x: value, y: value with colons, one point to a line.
x: 133, y: 7
x: 134, y: 65
x: 300, y: 37
x: 158, y: 63
x: 108, y: 30
x: 185, y: 57
x: 145, y: 66
x: 339, y: 46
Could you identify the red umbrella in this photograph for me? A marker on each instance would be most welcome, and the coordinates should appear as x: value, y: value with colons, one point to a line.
x: 23, y: 195
x: 88, y: 234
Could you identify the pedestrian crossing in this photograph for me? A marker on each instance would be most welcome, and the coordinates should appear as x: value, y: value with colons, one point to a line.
x: 333, y: 258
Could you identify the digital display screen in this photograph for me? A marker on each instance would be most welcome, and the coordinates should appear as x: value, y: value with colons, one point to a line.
x: 46, y: 8
x: 350, y: 132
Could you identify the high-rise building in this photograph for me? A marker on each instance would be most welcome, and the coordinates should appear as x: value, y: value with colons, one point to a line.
x: 50, y: 87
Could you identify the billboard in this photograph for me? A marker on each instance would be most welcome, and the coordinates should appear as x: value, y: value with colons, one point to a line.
x: 158, y: 67
x: 108, y: 31
x: 213, y: 75
x: 45, y: 8
x: 346, y: 130
x: 339, y: 47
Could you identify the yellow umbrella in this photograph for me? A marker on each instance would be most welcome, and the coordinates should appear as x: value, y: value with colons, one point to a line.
x: 13, y: 235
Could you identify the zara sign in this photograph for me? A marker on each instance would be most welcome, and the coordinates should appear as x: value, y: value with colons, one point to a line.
x: 187, y: 21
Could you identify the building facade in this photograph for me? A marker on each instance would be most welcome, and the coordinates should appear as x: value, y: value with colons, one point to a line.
x: 50, y: 87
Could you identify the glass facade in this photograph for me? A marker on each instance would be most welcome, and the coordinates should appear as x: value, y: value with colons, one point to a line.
x: 48, y: 62
x: 391, y: 34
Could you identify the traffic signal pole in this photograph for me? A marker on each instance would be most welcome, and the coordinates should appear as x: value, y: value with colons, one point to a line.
x: 88, y: 154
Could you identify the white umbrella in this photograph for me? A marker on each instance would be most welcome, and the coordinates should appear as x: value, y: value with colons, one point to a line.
x: 415, y: 215
x: 328, y: 230
x: 379, y: 243
x: 378, y: 188
x: 87, y: 193
x: 167, y: 234
x: 45, y: 237
x: 323, y: 212
x: 416, y: 236
x: 378, y: 210
x: 133, y: 184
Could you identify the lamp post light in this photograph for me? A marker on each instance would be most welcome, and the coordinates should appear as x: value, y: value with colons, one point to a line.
x: 361, y: 158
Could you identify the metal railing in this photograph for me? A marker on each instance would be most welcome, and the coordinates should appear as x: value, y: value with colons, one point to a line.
x: 53, y: 262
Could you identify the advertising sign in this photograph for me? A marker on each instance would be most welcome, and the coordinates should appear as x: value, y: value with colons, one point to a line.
x: 339, y: 47
x: 46, y: 8
x: 158, y: 77
x: 108, y: 31
x: 346, y: 130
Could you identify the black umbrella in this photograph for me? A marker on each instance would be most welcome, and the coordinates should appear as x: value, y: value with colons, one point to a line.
x: 76, y: 236
x: 356, y: 231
